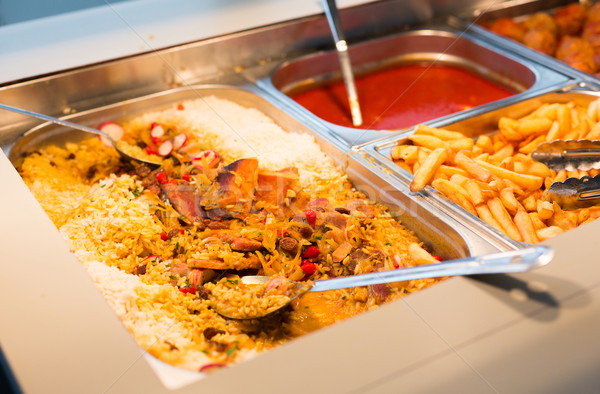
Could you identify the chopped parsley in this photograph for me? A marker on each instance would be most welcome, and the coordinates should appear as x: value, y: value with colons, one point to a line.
x: 233, y: 281
x: 137, y: 192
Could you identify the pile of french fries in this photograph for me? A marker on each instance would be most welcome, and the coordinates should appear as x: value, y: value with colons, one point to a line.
x: 495, y: 178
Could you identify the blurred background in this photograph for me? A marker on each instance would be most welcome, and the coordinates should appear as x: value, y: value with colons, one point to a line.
x: 14, y: 11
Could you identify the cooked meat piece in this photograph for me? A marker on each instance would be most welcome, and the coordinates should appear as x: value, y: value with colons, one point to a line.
x: 91, y: 171
x: 248, y: 262
x: 168, y: 218
x: 342, y: 210
x: 199, y: 277
x: 210, y: 332
x: 185, y: 199
x: 233, y: 189
x: 216, y: 224
x: 71, y: 156
x: 140, y: 269
x: 143, y: 171
x: 591, y: 33
x: 380, y: 292
x: 541, y: 20
x: 274, y: 187
x: 508, y: 28
x: 178, y: 268
x: 202, y: 292
x: 577, y: 53
x: 289, y: 244
x: 305, y: 231
x: 242, y: 244
x: 569, y: 19
x: 541, y: 40
x: 336, y: 219
x: 366, y: 261
x: 341, y: 252
x: 593, y: 14
x: 319, y: 205
x: 153, y: 188
x: 361, y: 206
x: 173, y: 232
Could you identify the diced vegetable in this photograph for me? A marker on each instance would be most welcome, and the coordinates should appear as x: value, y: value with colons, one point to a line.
x: 311, y: 252
x: 161, y: 177
x: 151, y: 149
x: 308, y: 267
x: 311, y: 217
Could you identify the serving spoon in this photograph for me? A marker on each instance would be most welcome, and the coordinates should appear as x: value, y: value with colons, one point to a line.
x: 105, y: 136
x: 503, y: 262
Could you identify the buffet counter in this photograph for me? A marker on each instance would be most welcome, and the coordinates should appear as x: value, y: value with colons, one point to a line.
x: 526, y: 332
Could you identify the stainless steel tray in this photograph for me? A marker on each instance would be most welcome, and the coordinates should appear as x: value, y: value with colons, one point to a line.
x: 439, y: 44
x: 378, y: 152
x: 440, y: 232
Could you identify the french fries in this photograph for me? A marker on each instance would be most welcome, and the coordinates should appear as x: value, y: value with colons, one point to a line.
x: 495, y: 178
x: 426, y: 171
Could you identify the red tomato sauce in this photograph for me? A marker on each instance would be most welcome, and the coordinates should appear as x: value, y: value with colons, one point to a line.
x: 403, y: 96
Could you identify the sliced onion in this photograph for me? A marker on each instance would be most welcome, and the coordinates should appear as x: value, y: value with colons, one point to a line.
x: 165, y: 148
x: 208, y: 156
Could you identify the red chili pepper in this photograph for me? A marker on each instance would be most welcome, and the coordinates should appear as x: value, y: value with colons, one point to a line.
x: 438, y: 258
x: 311, y: 217
x: 396, y: 265
x: 153, y: 125
x: 182, y: 231
x: 164, y: 236
x: 161, y: 177
x: 183, y: 290
x: 308, y: 267
x: 191, y: 289
x: 311, y: 252
x: 186, y: 177
x: 180, y: 107
x: 151, y: 149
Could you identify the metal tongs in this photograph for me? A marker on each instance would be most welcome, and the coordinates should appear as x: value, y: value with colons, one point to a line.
x: 571, y: 155
x: 341, y: 46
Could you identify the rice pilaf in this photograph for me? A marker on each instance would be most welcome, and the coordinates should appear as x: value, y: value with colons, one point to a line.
x: 162, y: 245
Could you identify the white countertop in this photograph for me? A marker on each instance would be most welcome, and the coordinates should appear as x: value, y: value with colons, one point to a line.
x: 97, y: 34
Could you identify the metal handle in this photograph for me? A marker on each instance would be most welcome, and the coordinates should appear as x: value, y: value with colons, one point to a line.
x: 512, y: 261
x: 335, y: 24
x: 61, y: 122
